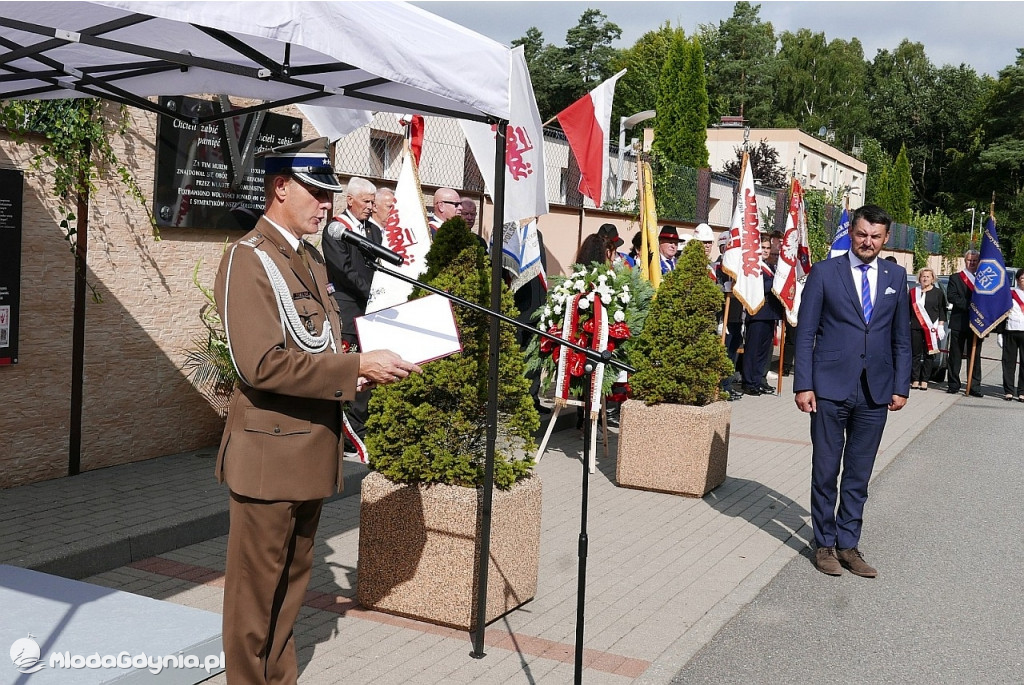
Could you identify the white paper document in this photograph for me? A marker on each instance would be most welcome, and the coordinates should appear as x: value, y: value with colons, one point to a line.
x: 419, y: 330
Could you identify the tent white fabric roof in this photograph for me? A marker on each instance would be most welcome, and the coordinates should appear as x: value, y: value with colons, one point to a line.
x: 381, y: 56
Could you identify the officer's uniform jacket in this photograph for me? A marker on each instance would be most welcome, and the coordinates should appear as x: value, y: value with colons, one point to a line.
x: 282, y: 438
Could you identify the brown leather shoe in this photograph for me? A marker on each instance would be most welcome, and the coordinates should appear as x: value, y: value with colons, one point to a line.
x: 854, y: 560
x: 825, y: 561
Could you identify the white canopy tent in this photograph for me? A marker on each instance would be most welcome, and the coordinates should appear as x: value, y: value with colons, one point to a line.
x: 380, y: 56
x: 384, y: 56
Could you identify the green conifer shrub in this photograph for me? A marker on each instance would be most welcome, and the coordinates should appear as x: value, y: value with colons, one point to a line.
x: 432, y: 428
x: 679, y: 357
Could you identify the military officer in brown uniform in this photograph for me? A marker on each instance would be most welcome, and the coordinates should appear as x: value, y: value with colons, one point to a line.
x: 281, y: 450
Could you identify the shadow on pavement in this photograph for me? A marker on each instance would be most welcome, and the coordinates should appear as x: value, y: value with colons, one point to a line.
x: 767, y: 509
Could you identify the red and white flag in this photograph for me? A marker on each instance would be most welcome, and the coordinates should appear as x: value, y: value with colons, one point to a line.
x: 586, y: 125
x: 407, y: 234
x: 414, y: 124
x: 794, y: 256
x: 742, y: 258
x: 525, y: 185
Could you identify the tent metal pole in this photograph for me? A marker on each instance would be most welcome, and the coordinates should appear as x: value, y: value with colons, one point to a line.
x: 78, y: 322
x: 494, y: 347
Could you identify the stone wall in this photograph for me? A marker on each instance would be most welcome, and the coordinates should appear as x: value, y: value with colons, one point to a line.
x: 137, y: 403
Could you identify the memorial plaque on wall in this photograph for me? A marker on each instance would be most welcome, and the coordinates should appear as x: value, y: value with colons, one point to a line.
x: 205, y: 175
x: 11, y: 188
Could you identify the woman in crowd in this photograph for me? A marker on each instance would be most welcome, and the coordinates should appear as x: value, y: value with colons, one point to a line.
x: 595, y: 248
x: 1013, y: 341
x: 927, y: 326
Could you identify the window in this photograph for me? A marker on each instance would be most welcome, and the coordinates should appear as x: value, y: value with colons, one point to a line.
x: 385, y: 150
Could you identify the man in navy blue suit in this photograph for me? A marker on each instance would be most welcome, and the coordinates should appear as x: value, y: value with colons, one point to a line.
x: 852, y: 367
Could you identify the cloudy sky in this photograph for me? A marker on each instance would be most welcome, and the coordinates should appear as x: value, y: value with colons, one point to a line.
x: 984, y: 35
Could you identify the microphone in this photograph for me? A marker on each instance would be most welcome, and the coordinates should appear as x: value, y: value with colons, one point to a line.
x: 337, y: 230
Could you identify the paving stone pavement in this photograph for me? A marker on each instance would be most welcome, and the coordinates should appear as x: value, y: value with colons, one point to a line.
x: 664, y: 573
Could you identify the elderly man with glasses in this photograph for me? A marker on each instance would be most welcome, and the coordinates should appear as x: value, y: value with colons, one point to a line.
x: 447, y: 204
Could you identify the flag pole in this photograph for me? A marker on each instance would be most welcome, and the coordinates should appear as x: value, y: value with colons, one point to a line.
x: 782, y: 352
x: 970, y: 366
x: 725, y: 317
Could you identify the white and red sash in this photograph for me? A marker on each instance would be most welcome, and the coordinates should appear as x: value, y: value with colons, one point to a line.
x: 1017, y: 298
x: 968, y: 278
x: 930, y: 328
x: 711, y: 273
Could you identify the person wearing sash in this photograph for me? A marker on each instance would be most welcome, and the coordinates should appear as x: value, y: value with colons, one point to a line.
x: 959, y: 292
x: 927, y: 324
x: 280, y: 454
x: 760, y: 329
x: 1013, y: 341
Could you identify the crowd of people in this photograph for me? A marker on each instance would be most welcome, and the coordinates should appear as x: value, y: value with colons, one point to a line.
x: 288, y: 315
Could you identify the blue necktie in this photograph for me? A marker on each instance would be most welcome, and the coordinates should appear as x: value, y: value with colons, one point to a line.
x: 865, y: 292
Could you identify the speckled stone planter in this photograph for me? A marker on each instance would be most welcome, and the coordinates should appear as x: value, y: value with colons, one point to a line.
x: 418, y: 550
x: 673, y: 447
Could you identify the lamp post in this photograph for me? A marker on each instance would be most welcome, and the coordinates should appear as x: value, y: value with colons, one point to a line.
x: 624, y: 123
x: 971, y: 210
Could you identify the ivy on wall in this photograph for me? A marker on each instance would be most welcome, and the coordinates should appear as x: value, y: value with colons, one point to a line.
x: 78, y: 135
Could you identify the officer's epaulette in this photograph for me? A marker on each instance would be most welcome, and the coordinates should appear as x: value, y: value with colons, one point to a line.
x: 252, y: 241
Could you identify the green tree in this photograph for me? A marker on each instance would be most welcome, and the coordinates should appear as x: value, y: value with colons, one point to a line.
x: 876, y: 181
x: 589, y: 50
x: 821, y: 83
x: 562, y: 75
x: 681, y: 131
x: 741, y: 63
x: 431, y: 428
x: 764, y: 165
x: 899, y: 188
x: 679, y: 358
x: 637, y: 90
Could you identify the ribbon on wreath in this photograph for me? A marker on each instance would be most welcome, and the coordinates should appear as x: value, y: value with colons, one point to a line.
x: 571, y: 362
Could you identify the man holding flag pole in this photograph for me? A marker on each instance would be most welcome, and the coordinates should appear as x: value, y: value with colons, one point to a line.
x: 990, y: 302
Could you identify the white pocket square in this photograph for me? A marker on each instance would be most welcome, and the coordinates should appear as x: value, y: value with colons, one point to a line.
x: 890, y: 291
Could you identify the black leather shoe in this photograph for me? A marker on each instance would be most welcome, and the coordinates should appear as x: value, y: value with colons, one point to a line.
x: 952, y: 391
x: 975, y: 393
x: 734, y: 396
x: 767, y: 390
x: 752, y: 391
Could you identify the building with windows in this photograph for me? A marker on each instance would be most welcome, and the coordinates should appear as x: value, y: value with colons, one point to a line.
x: 818, y: 165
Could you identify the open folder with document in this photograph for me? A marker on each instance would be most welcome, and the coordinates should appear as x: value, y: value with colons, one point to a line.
x: 419, y: 330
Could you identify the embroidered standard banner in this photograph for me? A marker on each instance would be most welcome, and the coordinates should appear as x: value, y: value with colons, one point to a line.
x: 407, y: 234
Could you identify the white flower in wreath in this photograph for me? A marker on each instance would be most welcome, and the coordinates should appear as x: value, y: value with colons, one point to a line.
x: 602, y: 279
x: 557, y: 309
x: 624, y: 297
x: 619, y: 316
x: 611, y: 274
x: 581, y: 286
x: 584, y: 303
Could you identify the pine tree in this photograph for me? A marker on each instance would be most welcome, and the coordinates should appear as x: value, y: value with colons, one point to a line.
x: 899, y: 188
x: 431, y: 428
x: 679, y: 358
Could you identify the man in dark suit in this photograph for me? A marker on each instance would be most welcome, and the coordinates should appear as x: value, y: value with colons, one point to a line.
x: 351, y: 276
x: 757, y: 345
x: 852, y: 366
x: 281, y: 448
x: 959, y: 293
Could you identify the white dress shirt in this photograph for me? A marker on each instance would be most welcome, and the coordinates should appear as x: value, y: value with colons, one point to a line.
x: 855, y: 263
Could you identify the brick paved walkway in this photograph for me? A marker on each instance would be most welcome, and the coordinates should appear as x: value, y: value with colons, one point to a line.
x: 664, y: 572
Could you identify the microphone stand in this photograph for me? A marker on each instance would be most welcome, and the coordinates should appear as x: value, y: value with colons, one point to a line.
x: 593, y: 358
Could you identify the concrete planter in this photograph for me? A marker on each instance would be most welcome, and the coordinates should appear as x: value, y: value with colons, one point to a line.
x: 673, y: 447
x: 419, y: 545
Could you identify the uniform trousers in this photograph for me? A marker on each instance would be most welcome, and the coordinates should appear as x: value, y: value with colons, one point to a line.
x: 269, y: 560
x: 1013, y: 355
x: 757, y: 352
x: 845, y: 435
